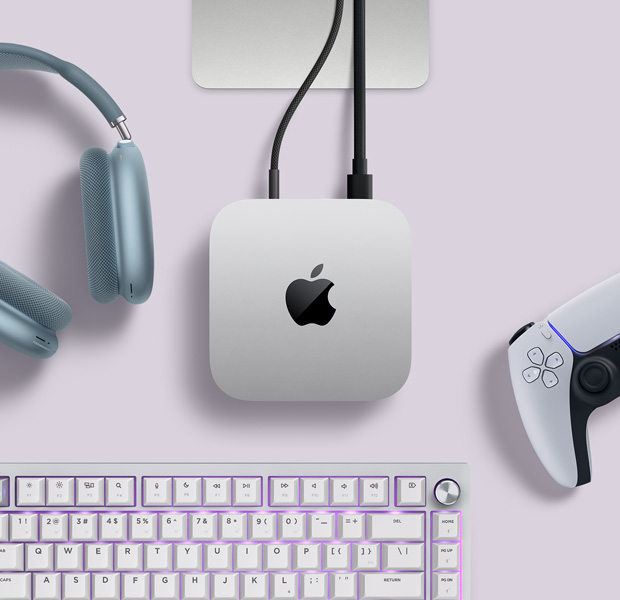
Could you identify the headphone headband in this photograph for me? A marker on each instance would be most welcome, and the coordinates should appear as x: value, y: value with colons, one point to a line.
x: 16, y: 57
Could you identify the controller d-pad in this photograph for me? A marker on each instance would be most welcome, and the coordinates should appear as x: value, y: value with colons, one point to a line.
x: 531, y: 375
x: 536, y: 356
x: 554, y: 361
x: 550, y: 379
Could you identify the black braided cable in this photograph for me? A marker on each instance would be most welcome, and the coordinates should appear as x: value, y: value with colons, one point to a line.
x: 274, y: 191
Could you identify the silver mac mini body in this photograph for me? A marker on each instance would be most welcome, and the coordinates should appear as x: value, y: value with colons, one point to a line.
x: 310, y: 300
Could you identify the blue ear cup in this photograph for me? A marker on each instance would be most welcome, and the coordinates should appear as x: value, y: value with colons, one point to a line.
x: 117, y: 223
x: 30, y: 314
x: 99, y: 225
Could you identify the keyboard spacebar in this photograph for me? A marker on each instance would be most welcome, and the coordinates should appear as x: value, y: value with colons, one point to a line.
x: 391, y: 586
x: 15, y: 586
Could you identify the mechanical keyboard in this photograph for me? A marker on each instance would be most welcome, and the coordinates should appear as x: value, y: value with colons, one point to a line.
x: 234, y: 531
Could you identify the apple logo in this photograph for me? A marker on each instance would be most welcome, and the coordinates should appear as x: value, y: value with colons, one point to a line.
x: 307, y: 301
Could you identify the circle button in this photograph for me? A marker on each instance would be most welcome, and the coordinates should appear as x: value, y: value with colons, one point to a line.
x: 447, y: 492
x: 594, y: 377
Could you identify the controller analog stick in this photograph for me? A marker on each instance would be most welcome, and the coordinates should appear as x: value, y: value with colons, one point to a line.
x: 594, y: 377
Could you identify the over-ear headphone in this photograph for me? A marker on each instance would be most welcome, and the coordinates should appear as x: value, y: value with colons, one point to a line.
x: 117, y: 223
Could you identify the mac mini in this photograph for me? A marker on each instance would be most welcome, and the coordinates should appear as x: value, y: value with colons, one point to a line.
x: 310, y: 300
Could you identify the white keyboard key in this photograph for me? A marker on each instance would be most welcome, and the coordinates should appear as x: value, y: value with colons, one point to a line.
x: 113, y: 527
x: 254, y: 586
x: 90, y: 491
x: 366, y: 557
x: 136, y: 586
x: 11, y: 557
x: 344, y: 491
x: 39, y: 557
x: 322, y: 526
x: 284, y: 491
x: 277, y: 557
x: 46, y: 586
x: 313, y: 586
x: 158, y: 557
x: 129, y: 557
x: 4, y: 527
x: 195, y: 586
x: 403, y: 557
x: 247, y: 491
x: 315, y: 491
x: 30, y: 491
x: 374, y: 491
x: 99, y: 557
x: 337, y: 557
x: 307, y: 557
x: 446, y: 526
x: 233, y: 527
x: 202, y: 527
x: 284, y: 586
x: 24, y: 527
x: 76, y: 586
x: 54, y: 527
x: 15, y: 586
x: 60, y: 491
x: 217, y: 491
x: 83, y: 527
x: 188, y: 557
x: 157, y: 491
x: 446, y: 557
x: 410, y: 491
x: 142, y: 527
x: 396, y: 526
x: 120, y: 491
x: 391, y: 586
x: 292, y: 526
x: 343, y: 586
x: 187, y: 491
x: 172, y: 527
x: 446, y: 586
x: 69, y: 557
x: 224, y: 586
x: 165, y: 586
x: 106, y: 586
x: 218, y: 557
x: 4, y: 492
x: 262, y: 527
x: 248, y: 557
x: 351, y: 527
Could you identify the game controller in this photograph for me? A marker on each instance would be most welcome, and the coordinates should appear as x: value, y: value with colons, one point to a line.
x: 564, y: 368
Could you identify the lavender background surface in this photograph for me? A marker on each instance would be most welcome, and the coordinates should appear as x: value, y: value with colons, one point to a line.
x: 506, y: 164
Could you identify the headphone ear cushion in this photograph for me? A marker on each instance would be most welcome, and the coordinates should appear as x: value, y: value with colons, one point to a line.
x: 101, y: 254
x: 32, y: 299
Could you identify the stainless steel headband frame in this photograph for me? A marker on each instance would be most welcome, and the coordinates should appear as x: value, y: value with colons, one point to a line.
x: 15, y: 57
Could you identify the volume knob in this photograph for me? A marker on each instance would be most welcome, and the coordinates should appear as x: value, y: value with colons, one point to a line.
x: 447, y: 492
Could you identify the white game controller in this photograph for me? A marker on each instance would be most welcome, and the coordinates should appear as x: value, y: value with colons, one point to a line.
x: 562, y: 369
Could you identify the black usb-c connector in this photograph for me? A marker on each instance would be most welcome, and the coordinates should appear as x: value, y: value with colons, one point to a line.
x: 359, y: 183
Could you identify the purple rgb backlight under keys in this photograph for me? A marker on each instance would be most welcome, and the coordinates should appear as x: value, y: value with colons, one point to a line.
x: 257, y: 534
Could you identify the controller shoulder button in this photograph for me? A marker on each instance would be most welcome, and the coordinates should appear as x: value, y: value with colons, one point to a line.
x: 536, y: 356
x: 554, y: 361
x: 550, y: 379
x: 531, y: 374
x: 519, y: 333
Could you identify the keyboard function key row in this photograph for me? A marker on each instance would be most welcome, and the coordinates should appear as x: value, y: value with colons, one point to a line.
x: 75, y: 491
